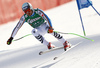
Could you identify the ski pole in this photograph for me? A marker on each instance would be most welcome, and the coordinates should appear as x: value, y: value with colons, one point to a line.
x: 76, y: 35
x: 22, y: 37
x: 57, y: 32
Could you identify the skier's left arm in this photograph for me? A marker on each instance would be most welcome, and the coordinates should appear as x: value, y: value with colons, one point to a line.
x: 44, y: 16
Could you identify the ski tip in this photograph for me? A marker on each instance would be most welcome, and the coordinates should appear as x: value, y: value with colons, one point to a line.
x: 55, y: 58
x: 65, y: 49
x: 41, y: 52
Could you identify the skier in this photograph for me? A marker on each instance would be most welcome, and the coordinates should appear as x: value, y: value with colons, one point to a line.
x: 41, y: 24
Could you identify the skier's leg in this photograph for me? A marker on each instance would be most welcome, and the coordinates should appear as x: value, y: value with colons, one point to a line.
x: 39, y: 32
x: 61, y: 39
x: 58, y: 36
x: 39, y: 37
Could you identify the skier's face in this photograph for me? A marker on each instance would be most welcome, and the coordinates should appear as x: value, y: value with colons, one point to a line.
x: 28, y: 12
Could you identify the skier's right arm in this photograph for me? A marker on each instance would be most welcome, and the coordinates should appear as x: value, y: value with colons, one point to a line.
x: 15, y: 30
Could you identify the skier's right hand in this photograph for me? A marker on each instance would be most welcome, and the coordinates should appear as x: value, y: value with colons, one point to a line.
x: 9, y: 40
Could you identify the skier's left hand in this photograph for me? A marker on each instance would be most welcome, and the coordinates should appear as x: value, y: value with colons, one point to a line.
x: 50, y: 30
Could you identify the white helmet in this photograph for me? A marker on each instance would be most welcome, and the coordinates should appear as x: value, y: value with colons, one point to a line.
x: 27, y: 5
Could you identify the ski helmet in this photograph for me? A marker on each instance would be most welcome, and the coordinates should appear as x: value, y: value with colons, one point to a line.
x: 26, y: 6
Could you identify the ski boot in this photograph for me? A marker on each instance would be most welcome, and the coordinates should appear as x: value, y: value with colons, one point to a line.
x: 50, y: 46
x: 66, y: 45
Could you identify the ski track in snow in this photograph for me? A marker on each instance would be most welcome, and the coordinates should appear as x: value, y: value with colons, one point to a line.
x: 24, y: 54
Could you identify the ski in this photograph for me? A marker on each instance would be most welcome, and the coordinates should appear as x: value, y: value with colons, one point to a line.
x: 56, y: 48
x: 66, y: 51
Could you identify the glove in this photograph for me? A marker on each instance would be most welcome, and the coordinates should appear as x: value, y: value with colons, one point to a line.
x: 9, y: 40
x: 50, y: 30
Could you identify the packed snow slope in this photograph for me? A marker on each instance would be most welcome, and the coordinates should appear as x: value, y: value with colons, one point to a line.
x: 65, y: 18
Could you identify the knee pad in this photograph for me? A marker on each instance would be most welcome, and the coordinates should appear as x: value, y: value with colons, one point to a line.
x: 34, y: 32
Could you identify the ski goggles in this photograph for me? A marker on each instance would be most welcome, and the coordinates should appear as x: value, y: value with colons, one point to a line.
x: 27, y: 10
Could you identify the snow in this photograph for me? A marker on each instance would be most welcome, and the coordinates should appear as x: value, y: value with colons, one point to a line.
x: 65, y: 18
